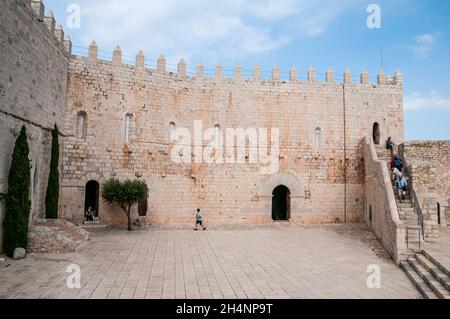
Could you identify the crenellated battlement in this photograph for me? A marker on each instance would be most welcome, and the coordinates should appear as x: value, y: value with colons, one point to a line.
x: 38, y: 9
x: 160, y: 68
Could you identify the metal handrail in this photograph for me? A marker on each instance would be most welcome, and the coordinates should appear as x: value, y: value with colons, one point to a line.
x: 407, y: 236
x: 418, y: 210
x: 414, y: 200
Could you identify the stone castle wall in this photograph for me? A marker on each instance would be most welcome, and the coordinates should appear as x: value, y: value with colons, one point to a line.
x: 105, y: 92
x: 33, y: 73
x: 429, y: 164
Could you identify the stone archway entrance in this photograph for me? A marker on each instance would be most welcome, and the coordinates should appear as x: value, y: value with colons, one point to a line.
x: 279, y: 196
x: 91, y: 198
x: 281, y: 203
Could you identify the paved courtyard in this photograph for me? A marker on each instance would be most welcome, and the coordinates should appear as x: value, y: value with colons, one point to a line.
x: 279, y: 261
x: 440, y: 248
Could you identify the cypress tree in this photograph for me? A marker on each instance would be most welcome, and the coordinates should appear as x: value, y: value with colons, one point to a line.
x: 52, y: 193
x: 17, y: 199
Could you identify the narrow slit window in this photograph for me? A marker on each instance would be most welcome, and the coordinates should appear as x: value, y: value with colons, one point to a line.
x: 81, y: 125
x: 127, y: 127
x: 317, y: 138
x: 172, y: 132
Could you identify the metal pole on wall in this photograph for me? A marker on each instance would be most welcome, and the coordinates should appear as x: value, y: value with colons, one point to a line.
x: 345, y: 153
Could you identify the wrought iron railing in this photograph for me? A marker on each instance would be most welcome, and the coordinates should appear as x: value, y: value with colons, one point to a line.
x: 413, y: 195
x: 408, y: 230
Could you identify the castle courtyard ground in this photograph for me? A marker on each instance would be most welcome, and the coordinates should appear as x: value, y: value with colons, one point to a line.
x: 276, y: 261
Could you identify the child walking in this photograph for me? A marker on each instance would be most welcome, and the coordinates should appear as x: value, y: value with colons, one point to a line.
x: 199, y: 219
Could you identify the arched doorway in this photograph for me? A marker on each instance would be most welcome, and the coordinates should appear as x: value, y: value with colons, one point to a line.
x: 91, y: 198
x: 281, y: 203
x: 376, y: 133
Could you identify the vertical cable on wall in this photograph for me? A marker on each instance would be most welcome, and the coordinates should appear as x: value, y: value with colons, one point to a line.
x: 345, y: 153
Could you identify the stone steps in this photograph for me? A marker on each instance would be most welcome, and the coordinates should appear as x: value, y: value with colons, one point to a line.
x: 430, y: 278
x: 437, y: 273
x: 421, y: 286
x: 406, y: 207
x: 432, y: 282
x: 406, y: 201
x: 408, y: 216
x: 436, y: 262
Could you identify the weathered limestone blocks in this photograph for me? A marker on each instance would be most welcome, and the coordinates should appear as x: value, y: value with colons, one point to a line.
x: 311, y: 74
x: 348, y: 76
x: 364, y: 77
x: 39, y: 9
x: 396, y: 80
x: 33, y: 81
x: 257, y: 73
x: 181, y: 69
x: 117, y: 56
x: 238, y: 72
x: 161, y: 65
x: 381, y: 78
x: 293, y: 74
x: 276, y: 73
x: 429, y: 165
x: 93, y: 52
x: 200, y: 72
x: 50, y: 22
x: 55, y: 236
x: 229, y: 193
x: 140, y: 61
x: 219, y: 72
x: 329, y: 77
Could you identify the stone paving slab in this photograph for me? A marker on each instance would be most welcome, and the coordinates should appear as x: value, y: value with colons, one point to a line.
x: 439, y: 248
x: 279, y: 261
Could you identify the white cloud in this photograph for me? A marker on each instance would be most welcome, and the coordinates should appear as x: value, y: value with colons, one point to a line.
x: 204, y: 29
x: 416, y: 101
x: 424, y: 44
x: 426, y: 39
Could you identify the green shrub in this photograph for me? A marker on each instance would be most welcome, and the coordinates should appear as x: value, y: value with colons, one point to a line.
x: 52, y: 194
x: 17, y: 199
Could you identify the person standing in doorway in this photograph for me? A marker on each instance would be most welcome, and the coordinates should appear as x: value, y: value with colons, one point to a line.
x: 199, y: 219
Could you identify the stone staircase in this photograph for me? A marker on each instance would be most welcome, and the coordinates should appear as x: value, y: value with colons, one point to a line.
x: 410, y: 219
x: 430, y: 277
x: 94, y: 224
x: 405, y: 208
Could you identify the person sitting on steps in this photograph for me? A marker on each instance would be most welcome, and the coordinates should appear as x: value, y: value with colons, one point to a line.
x: 89, y: 215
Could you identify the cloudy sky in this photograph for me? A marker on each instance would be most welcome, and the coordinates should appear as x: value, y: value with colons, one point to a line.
x: 414, y: 37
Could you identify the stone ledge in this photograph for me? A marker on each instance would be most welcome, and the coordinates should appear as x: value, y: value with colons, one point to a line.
x: 55, y: 236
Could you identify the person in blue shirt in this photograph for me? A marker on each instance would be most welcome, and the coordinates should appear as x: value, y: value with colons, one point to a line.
x: 402, y: 187
x: 199, y: 219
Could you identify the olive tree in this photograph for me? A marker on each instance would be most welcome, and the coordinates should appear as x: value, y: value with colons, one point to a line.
x: 125, y: 194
